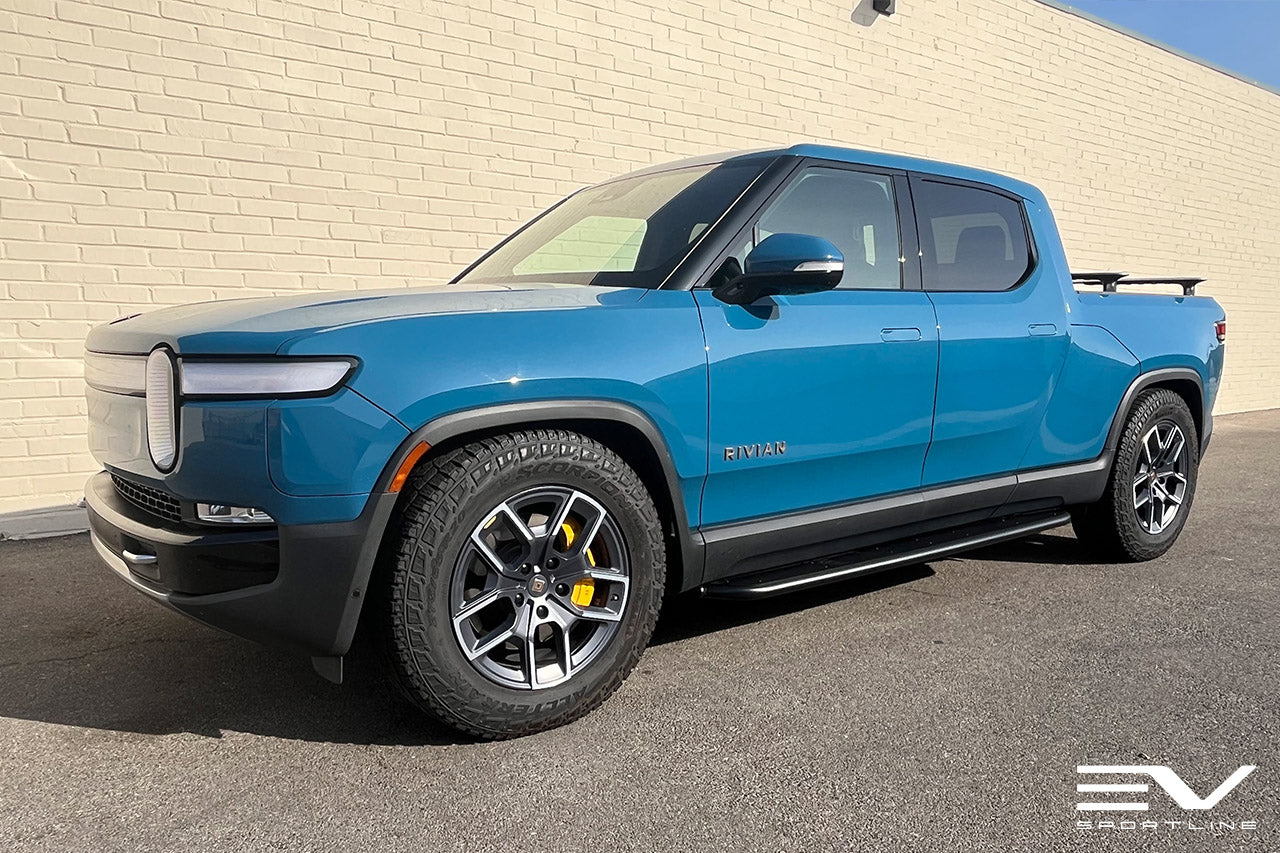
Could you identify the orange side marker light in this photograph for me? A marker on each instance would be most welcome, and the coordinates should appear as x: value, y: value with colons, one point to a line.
x: 406, y: 467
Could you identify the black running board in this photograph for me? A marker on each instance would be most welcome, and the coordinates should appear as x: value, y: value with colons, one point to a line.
x: 918, y: 549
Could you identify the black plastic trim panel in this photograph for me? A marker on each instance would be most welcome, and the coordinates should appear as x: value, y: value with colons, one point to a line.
x: 298, y: 587
x: 1154, y: 377
x: 903, y: 552
x: 516, y: 415
x: 170, y: 556
x: 766, y: 543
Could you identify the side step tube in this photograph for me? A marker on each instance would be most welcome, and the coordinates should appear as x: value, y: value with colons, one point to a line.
x: 920, y: 549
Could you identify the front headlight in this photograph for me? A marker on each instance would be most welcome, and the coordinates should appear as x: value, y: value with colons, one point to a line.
x: 165, y: 380
x: 284, y: 378
x: 162, y: 409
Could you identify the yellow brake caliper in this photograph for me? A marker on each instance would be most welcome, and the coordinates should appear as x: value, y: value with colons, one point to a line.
x: 585, y: 589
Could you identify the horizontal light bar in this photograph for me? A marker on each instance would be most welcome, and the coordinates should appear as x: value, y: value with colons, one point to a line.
x: 224, y: 514
x: 118, y: 374
x: 282, y: 378
x: 126, y: 374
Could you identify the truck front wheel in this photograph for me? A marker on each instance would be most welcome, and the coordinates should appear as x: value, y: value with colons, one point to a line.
x: 1151, y: 485
x: 524, y: 582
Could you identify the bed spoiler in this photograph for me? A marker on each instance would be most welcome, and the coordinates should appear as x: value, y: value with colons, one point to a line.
x: 1109, y: 281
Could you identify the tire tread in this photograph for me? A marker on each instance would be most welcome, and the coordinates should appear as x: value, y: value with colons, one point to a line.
x: 434, y: 498
x: 1108, y: 527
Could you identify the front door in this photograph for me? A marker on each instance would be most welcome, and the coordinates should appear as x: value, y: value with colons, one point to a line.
x: 823, y: 398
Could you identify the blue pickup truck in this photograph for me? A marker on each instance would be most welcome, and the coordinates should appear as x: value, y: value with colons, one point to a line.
x: 743, y: 375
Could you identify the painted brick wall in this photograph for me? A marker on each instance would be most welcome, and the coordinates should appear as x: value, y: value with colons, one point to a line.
x: 154, y: 152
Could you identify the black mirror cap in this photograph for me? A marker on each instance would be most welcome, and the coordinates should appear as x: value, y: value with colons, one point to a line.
x: 752, y: 287
x: 784, y: 263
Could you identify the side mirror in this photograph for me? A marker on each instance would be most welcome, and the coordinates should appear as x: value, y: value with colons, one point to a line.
x: 784, y: 264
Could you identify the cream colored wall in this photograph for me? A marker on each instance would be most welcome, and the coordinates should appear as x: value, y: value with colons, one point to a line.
x: 154, y: 152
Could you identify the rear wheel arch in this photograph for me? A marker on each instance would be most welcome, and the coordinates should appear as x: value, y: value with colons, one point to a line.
x: 1151, y: 484
x: 1192, y: 394
x: 1183, y: 381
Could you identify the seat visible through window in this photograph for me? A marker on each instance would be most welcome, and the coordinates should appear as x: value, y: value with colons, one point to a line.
x: 855, y: 211
x: 970, y: 238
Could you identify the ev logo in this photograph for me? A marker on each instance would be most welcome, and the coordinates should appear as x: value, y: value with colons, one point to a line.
x: 1172, y: 784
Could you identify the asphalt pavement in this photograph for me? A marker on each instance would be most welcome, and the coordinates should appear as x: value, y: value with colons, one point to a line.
x: 941, y: 707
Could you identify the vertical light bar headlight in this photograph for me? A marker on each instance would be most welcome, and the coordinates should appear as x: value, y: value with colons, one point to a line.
x: 162, y: 409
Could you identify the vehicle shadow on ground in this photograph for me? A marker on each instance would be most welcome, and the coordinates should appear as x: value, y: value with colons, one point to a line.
x: 147, y: 671
x: 1048, y: 549
x: 79, y: 649
x: 689, y: 615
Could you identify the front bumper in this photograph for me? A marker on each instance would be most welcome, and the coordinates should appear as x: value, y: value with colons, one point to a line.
x: 298, y: 587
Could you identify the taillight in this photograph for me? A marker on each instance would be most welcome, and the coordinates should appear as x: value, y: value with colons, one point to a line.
x: 1221, y: 328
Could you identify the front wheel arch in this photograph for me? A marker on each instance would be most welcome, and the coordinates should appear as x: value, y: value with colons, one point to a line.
x: 622, y: 428
x: 434, y: 663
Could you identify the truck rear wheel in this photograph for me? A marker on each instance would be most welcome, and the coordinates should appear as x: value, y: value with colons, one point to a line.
x: 524, y: 583
x: 1152, y: 482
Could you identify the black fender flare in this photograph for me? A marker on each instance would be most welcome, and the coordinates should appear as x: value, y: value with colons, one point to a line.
x: 1154, y: 377
x: 518, y: 415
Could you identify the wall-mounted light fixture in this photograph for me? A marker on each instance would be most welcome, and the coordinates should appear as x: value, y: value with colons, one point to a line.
x: 884, y: 7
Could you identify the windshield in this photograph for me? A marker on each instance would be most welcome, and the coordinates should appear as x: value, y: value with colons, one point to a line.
x: 626, y: 233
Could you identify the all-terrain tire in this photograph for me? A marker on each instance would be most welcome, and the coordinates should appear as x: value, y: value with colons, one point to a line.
x: 1111, y: 527
x: 443, y: 502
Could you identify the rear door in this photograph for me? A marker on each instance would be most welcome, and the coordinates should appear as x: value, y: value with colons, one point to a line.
x: 822, y: 398
x: 1003, y: 335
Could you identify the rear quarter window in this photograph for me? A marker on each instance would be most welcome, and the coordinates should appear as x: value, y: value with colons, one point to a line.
x: 970, y: 238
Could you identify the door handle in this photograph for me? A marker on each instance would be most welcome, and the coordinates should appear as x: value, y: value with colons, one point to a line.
x: 899, y: 334
x: 1039, y: 329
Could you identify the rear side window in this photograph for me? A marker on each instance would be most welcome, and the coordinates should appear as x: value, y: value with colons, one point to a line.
x: 970, y: 239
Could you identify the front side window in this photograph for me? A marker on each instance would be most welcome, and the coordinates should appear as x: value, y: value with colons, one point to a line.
x: 970, y: 239
x: 631, y: 232
x: 856, y: 211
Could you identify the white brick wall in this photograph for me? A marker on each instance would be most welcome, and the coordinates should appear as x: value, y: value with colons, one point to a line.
x: 159, y: 151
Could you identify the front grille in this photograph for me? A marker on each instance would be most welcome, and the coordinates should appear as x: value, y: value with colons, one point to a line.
x: 152, y: 500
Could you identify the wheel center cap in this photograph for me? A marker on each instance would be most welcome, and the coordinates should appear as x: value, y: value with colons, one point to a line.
x: 538, y: 585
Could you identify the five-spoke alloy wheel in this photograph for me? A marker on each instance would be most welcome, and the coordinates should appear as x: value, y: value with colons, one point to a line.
x: 522, y: 583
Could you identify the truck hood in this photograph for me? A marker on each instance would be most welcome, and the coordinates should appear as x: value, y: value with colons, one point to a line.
x: 263, y: 326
